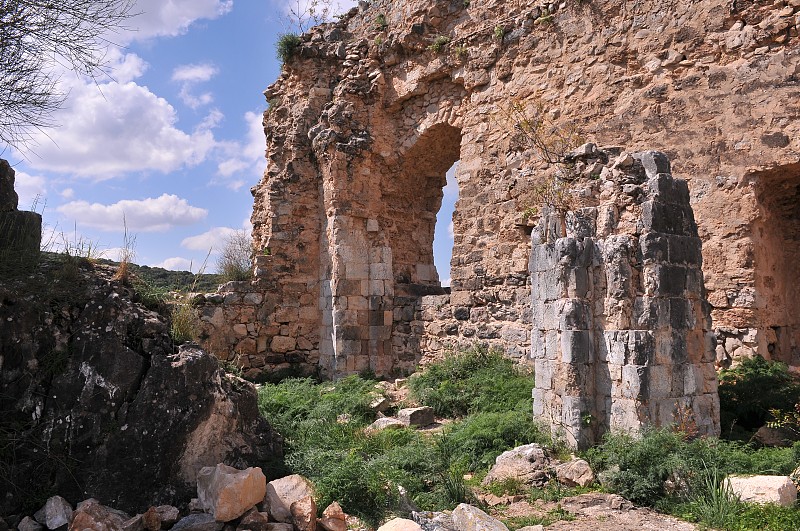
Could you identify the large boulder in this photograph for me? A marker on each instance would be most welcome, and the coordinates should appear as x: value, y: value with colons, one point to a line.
x: 92, y: 515
x: 228, y: 493
x: 416, y: 416
x: 529, y: 464
x: 575, y: 473
x: 95, y: 379
x: 764, y: 489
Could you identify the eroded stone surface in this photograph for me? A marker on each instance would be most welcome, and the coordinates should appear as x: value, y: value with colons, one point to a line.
x: 621, y: 328
x: 227, y: 493
x: 764, y: 489
x: 283, y: 492
x: 364, y: 121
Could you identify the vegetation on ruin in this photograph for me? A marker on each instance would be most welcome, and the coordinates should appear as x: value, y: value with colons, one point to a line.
x: 286, y: 46
x: 372, y: 474
x: 439, y: 43
x: 324, y: 426
x: 753, y: 393
x: 235, y: 261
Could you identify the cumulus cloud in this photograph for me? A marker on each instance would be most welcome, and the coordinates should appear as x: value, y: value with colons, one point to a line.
x: 172, y: 17
x: 244, y: 158
x: 450, y: 230
x: 147, y: 215
x: 189, y: 76
x: 176, y: 263
x: 120, y: 128
x: 30, y: 189
x: 213, y: 239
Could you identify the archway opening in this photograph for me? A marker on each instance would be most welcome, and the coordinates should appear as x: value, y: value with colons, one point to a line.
x: 443, y: 233
x: 776, y: 238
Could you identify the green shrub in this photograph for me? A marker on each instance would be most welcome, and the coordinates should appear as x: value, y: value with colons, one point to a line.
x: 235, y: 260
x: 439, y: 43
x: 286, y: 46
x: 473, y: 381
x: 183, y: 323
x: 749, y: 391
x: 477, y: 440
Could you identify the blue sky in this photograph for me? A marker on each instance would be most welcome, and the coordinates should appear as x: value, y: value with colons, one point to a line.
x: 171, y: 140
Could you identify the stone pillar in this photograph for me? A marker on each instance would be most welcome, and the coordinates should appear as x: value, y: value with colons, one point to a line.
x: 20, y: 232
x: 620, y: 322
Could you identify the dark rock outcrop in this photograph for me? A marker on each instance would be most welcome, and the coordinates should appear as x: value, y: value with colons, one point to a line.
x: 95, y: 400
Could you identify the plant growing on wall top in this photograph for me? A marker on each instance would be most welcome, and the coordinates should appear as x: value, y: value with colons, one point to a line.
x: 439, y: 43
x: 286, y: 46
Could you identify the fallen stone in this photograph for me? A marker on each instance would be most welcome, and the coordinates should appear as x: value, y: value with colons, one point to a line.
x: 168, y: 515
x: 334, y: 510
x: 400, y: 524
x: 304, y: 514
x: 198, y: 522
x: 529, y: 464
x: 764, y: 489
x: 469, y: 518
x: 575, y: 473
x: 29, y: 524
x: 274, y: 526
x: 283, y: 492
x: 386, y: 423
x: 253, y: 520
x: 380, y: 404
x: 228, y: 493
x: 416, y: 416
x: 90, y: 514
x: 56, y: 512
x: 532, y: 528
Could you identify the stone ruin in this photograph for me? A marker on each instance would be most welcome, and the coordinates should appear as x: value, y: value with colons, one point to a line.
x: 20, y: 231
x: 366, y: 118
x: 620, y: 321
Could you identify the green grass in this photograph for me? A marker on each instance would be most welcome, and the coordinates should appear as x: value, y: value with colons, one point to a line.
x: 364, y: 472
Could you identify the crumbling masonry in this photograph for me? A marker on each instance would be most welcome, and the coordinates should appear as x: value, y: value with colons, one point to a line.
x: 366, y: 118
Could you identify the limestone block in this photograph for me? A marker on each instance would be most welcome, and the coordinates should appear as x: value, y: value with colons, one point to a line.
x: 543, y: 373
x: 56, y: 512
x: 654, y: 162
x: 227, y: 493
x: 254, y: 521
x: 575, y: 473
x: 168, y: 515
x: 304, y: 514
x: 575, y: 314
x: 283, y: 492
x: 400, y: 524
x: 282, y: 344
x: 386, y: 423
x: 634, y: 382
x: 90, y: 514
x: 576, y: 346
x: 416, y: 416
x: 764, y: 489
x: 469, y: 518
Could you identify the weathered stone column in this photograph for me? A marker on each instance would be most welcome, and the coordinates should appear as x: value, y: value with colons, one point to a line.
x: 20, y: 232
x: 620, y: 323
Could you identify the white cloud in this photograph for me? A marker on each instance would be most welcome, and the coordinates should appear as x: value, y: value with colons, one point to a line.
x: 124, y: 67
x: 450, y: 230
x: 191, y: 75
x: 194, y: 73
x: 147, y: 215
x: 176, y: 263
x: 213, y: 239
x: 30, y: 189
x: 172, y: 17
x: 246, y: 158
x: 120, y: 128
x: 67, y: 193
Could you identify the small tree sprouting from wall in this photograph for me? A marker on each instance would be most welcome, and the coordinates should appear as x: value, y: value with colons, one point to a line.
x: 235, y: 259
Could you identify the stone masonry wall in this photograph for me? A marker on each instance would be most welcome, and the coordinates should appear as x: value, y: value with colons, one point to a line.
x: 366, y: 118
x: 621, y: 334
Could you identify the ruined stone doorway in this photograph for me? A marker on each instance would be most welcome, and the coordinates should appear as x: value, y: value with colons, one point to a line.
x: 776, y: 238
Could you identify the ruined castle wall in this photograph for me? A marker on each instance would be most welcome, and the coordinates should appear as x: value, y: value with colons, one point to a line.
x: 365, y: 120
